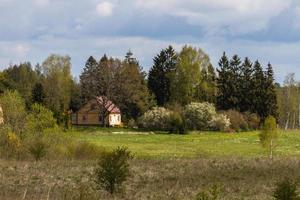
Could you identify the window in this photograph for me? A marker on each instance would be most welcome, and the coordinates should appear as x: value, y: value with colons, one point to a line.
x: 84, y: 118
x: 119, y: 118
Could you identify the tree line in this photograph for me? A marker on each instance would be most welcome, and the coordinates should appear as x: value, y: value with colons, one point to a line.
x: 175, y: 80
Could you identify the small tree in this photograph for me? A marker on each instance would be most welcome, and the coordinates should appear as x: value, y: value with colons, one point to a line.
x: 269, y: 134
x: 286, y: 190
x: 113, y: 169
x: 37, y: 147
x: 39, y: 119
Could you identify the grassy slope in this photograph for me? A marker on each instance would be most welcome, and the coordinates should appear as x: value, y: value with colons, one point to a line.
x: 191, y: 145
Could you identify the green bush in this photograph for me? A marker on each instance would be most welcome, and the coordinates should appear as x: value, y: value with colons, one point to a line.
x: 237, y: 120
x: 37, y: 147
x: 39, y: 119
x: 10, y: 143
x: 113, y: 170
x: 286, y: 190
x: 197, y: 116
x: 156, y: 119
x: 176, y: 123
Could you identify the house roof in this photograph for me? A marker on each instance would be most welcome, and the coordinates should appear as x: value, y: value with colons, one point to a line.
x: 109, y: 105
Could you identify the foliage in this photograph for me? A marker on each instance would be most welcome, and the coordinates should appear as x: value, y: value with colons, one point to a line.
x: 11, y: 145
x: 37, y: 146
x: 286, y: 190
x: 237, y: 120
x: 113, y: 170
x: 158, y: 118
x: 39, y: 119
x: 253, y: 120
x: 187, y: 76
x: 176, y: 123
x: 23, y: 79
x: 269, y: 135
x: 197, y: 116
x: 87, y: 150
x: 57, y: 84
x: 220, y: 122
x: 14, y: 113
x: 159, y: 76
x: 38, y: 94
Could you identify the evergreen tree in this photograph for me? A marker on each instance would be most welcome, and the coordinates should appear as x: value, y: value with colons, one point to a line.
x: 38, y: 94
x: 259, y: 82
x: 88, y: 79
x: 246, y: 86
x: 159, y: 75
x: 270, y: 94
x: 224, y: 91
x: 233, y: 82
x: 133, y: 95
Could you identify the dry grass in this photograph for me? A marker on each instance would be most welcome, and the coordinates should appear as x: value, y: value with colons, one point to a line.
x: 150, y: 179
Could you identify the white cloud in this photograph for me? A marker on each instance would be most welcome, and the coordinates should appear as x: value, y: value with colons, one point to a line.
x: 41, y: 3
x: 233, y: 16
x: 105, y: 8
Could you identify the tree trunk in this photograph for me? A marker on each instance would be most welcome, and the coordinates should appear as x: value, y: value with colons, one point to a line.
x: 287, y: 121
x: 271, y: 149
x: 294, y: 120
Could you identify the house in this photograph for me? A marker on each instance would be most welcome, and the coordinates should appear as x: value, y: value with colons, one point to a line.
x: 93, y: 112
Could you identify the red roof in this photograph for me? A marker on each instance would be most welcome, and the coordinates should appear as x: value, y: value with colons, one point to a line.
x: 109, y: 105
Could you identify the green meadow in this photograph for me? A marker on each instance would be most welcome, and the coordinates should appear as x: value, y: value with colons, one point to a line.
x: 194, y: 144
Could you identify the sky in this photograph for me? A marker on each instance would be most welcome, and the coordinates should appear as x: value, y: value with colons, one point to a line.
x: 267, y: 30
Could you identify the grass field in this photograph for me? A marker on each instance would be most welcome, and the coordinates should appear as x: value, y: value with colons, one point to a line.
x: 147, y: 144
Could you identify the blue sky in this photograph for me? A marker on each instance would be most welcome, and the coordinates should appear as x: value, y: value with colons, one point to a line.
x: 267, y: 30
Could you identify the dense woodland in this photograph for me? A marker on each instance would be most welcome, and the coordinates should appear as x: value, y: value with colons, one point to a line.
x: 175, y: 80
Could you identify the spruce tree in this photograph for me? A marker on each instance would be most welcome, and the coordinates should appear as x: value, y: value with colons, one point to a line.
x: 38, y: 94
x: 223, y: 93
x: 270, y: 94
x: 233, y: 82
x: 246, y: 86
x: 159, y: 75
x: 259, y: 81
x: 88, y: 79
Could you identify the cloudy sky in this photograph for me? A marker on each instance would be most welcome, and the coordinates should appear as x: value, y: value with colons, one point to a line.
x: 268, y: 30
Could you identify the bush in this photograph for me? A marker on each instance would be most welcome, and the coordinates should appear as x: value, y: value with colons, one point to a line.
x: 220, y: 122
x: 198, y: 116
x: 176, y: 123
x: 132, y: 124
x: 11, y: 145
x: 14, y: 113
x: 39, y: 119
x: 253, y: 120
x: 113, y: 170
x: 237, y: 120
x: 286, y: 190
x: 156, y: 119
x: 37, y: 147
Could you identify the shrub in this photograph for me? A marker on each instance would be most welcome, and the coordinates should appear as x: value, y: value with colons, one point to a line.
x: 39, y: 119
x: 286, y: 190
x: 176, y: 123
x: 253, y: 120
x: 11, y: 145
x: 113, y: 169
x: 157, y: 118
x: 220, y: 122
x: 132, y: 124
x: 37, y: 147
x: 198, y: 116
x: 14, y: 113
x: 237, y: 120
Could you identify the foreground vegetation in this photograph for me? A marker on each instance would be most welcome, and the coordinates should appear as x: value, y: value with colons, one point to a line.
x: 149, y: 179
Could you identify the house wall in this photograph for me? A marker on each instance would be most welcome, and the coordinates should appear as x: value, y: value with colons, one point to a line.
x: 114, y: 119
x: 88, y: 119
